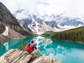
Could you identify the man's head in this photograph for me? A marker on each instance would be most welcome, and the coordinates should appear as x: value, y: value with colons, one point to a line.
x: 32, y: 41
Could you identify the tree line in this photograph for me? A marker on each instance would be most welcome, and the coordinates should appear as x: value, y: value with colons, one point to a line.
x: 71, y: 35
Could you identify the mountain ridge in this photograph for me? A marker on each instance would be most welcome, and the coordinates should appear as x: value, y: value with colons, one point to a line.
x: 9, y: 26
x: 56, y: 22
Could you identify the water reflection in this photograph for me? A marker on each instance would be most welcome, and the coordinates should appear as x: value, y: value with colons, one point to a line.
x: 67, y: 52
x: 6, y: 45
x: 2, y: 48
x: 69, y: 44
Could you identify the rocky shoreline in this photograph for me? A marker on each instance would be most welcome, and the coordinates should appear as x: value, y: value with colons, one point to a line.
x: 18, y: 56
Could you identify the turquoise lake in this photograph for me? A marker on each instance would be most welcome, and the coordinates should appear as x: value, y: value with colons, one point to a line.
x: 67, y: 52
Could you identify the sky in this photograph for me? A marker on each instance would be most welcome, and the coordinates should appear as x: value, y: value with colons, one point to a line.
x: 69, y: 8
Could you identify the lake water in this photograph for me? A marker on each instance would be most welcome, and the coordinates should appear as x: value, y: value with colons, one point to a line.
x: 67, y: 52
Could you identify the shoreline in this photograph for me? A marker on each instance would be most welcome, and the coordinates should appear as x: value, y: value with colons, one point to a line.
x: 9, y: 40
x: 16, y: 38
x: 80, y: 42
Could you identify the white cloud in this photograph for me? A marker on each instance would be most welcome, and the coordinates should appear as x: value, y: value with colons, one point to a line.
x: 72, y: 8
x: 22, y: 15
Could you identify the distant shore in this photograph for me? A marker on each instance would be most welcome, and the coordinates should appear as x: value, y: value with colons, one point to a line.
x: 80, y: 42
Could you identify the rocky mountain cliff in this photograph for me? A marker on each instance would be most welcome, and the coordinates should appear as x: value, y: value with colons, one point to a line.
x: 8, y: 20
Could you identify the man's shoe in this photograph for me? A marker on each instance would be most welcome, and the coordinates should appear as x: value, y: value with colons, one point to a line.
x: 34, y: 56
x: 41, y: 55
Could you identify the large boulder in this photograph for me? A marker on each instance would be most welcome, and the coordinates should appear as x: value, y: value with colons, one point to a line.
x: 18, y: 56
x: 44, y: 59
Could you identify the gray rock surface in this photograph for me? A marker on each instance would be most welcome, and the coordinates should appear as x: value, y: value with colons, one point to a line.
x: 7, y: 19
x: 17, y: 56
x: 2, y: 39
x: 13, y: 34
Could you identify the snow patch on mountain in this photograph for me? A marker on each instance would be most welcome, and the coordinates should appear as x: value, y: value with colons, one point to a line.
x: 5, y: 33
x: 39, y: 24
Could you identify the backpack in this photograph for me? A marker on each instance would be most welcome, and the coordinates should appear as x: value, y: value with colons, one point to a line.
x: 27, y: 48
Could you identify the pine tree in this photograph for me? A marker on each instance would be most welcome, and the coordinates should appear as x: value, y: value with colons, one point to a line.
x: 22, y: 47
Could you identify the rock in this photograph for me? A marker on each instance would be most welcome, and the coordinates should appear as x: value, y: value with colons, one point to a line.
x: 44, y: 59
x: 15, y: 30
x: 13, y: 34
x: 18, y: 56
x: 27, y: 58
x: 7, y: 19
x: 2, y: 28
x: 2, y: 39
x: 2, y: 60
x: 51, y: 24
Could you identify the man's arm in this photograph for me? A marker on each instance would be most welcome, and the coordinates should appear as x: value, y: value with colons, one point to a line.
x: 34, y: 46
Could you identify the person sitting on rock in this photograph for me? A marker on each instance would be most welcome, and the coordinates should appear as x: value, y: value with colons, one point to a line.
x: 33, y: 49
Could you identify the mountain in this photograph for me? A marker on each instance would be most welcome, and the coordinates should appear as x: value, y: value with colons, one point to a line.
x: 39, y: 24
x: 9, y: 26
x: 6, y: 18
x: 35, y: 23
x: 75, y: 35
x: 71, y: 22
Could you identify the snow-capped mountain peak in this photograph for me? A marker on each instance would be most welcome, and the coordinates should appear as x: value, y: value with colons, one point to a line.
x: 36, y: 22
